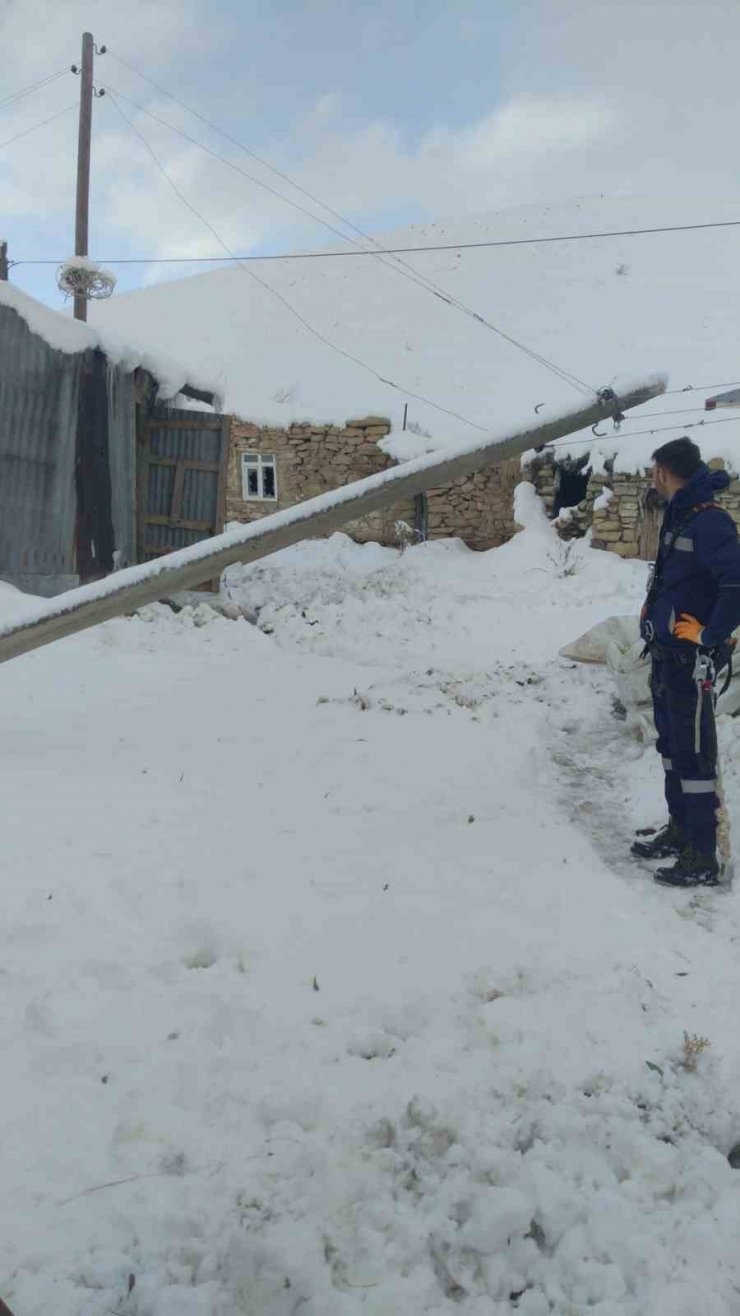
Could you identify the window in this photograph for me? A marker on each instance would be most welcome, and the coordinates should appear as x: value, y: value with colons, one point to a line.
x: 259, y: 476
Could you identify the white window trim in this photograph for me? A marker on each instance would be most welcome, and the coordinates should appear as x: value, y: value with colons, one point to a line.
x: 258, y: 461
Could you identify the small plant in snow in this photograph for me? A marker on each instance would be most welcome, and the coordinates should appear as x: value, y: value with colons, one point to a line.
x: 564, y: 559
x: 404, y: 534
x: 692, y: 1048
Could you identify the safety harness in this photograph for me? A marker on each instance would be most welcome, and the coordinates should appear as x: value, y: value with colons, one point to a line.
x: 709, y: 662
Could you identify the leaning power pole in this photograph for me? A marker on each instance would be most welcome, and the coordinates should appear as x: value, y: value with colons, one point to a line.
x: 82, y: 214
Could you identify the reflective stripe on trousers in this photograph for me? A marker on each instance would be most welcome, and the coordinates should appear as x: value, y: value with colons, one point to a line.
x: 698, y: 787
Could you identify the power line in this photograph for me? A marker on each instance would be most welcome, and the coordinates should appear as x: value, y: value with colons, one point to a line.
x: 701, y: 388
x: 430, y: 285
x: 296, y: 314
x: 659, y: 429
x: 692, y: 425
x: 677, y: 411
x: 513, y: 242
x: 35, y: 86
x: 258, y: 182
x: 43, y: 124
x: 385, y: 251
x: 398, y: 267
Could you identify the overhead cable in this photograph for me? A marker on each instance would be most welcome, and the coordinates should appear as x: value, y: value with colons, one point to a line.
x: 35, y: 86
x: 635, y: 434
x: 34, y: 126
x: 349, y: 356
x: 397, y: 266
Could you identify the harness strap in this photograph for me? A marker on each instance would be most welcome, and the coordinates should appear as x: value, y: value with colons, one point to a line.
x: 666, y: 549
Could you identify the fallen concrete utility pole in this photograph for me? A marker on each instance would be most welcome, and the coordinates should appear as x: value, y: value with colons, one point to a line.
x: 124, y: 591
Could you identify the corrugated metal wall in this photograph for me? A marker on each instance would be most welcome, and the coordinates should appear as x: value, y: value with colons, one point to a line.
x: 122, y: 458
x: 41, y: 391
x: 39, y: 398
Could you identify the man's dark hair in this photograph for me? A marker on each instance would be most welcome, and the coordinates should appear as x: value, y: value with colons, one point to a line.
x: 681, y: 457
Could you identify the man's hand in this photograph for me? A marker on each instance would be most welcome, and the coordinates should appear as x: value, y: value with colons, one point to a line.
x: 688, y: 628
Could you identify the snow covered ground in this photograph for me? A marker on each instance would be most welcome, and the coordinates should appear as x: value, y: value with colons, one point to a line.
x: 327, y: 988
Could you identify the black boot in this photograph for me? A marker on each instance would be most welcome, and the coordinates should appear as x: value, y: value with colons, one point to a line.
x: 690, y: 869
x: 669, y: 841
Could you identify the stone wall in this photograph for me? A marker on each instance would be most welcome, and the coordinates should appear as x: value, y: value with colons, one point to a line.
x: 479, y: 508
x: 312, y: 459
x: 628, y: 523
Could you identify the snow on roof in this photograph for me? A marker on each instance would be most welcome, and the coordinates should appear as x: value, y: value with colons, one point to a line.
x: 597, y: 308
x: 64, y: 334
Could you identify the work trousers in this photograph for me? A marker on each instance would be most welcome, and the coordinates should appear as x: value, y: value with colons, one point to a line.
x: 683, y: 704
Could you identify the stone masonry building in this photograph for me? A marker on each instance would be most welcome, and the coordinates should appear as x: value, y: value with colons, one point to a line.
x: 271, y: 468
x: 620, y: 508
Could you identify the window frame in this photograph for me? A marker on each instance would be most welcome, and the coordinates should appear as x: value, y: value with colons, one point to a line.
x: 259, y: 462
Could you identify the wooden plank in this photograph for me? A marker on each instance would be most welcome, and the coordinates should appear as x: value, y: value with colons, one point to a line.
x: 212, y: 585
x: 124, y: 591
x: 223, y: 474
x: 201, y: 421
x: 213, y: 468
x: 205, y: 526
x: 142, y: 478
x: 176, y: 504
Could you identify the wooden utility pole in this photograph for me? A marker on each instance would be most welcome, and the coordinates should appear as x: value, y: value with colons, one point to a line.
x: 4, y: 277
x: 51, y: 619
x: 83, y: 160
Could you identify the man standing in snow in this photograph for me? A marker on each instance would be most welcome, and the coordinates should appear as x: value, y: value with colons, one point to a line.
x: 692, y: 608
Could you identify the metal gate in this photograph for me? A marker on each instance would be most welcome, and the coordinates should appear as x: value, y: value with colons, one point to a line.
x: 181, y: 479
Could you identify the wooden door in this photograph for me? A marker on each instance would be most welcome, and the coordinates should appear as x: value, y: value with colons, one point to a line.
x: 651, y: 516
x: 182, y: 469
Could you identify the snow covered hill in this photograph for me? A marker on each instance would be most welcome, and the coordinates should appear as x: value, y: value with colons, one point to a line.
x: 597, y: 308
x: 326, y: 987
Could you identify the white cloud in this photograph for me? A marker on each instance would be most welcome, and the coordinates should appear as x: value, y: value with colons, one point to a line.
x: 535, y: 126
x: 600, y: 98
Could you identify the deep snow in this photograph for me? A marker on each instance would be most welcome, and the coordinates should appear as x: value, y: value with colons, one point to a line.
x: 326, y: 985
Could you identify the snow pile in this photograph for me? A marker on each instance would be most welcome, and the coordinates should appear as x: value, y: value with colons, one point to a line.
x: 67, y: 335
x: 405, y: 445
x: 602, y: 502
x: 596, y: 308
x: 326, y: 986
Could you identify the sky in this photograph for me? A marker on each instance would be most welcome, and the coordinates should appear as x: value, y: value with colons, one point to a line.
x: 390, y: 111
